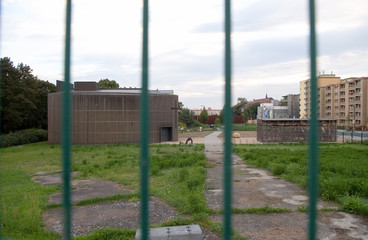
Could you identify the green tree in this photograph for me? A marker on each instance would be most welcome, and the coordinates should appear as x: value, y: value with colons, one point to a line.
x: 222, y: 115
x: 217, y: 121
x: 106, y: 83
x: 203, y: 116
x: 24, y: 98
x: 245, y: 115
x: 239, y: 107
x: 186, y: 116
x: 252, y: 110
x: 180, y: 106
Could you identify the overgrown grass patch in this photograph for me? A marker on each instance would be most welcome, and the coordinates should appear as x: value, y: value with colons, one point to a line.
x: 343, y: 167
x: 133, y: 197
x: 261, y: 210
x: 180, y: 178
x: 22, y: 202
x: 245, y: 127
x: 177, y: 176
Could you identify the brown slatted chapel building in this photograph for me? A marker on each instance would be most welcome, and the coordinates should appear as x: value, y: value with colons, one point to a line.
x: 111, y: 116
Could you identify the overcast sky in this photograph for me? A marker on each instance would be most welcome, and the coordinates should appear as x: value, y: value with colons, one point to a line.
x: 269, y: 43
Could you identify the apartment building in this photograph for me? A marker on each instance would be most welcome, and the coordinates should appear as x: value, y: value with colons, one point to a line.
x: 347, y: 102
x: 292, y: 102
x: 304, y: 98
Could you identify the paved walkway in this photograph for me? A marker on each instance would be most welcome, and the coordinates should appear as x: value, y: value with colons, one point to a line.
x: 258, y: 188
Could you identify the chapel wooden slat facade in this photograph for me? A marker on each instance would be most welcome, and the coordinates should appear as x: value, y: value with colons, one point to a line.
x: 112, y: 116
x: 294, y: 130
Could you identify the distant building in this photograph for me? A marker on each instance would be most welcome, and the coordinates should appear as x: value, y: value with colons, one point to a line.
x: 260, y: 100
x: 346, y: 101
x: 304, y: 103
x: 294, y: 130
x: 111, y: 116
x: 210, y: 111
x: 272, y: 110
x: 292, y: 102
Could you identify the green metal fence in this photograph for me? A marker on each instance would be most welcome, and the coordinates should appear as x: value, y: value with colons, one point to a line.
x: 144, y: 133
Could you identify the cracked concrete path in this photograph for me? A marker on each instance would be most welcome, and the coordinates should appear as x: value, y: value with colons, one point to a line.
x: 118, y: 214
x: 115, y: 214
x: 81, y: 189
x: 258, y: 188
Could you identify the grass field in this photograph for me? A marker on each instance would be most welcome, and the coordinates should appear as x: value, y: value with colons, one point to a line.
x: 178, y: 175
x: 22, y: 200
x: 244, y: 127
x: 343, y: 169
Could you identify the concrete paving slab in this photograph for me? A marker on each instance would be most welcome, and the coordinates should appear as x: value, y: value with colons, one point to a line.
x: 187, y: 232
x: 55, y: 179
x: 254, y: 187
x: 290, y: 226
x: 48, y: 172
x: 89, y: 189
x: 120, y: 214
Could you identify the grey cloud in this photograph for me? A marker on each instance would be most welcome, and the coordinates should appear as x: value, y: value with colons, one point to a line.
x: 337, y: 41
x: 259, y: 16
x: 269, y: 51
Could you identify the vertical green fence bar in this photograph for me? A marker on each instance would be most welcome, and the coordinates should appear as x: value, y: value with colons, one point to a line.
x: 144, y: 129
x: 0, y: 104
x: 66, y: 126
x: 313, y: 168
x: 228, y: 125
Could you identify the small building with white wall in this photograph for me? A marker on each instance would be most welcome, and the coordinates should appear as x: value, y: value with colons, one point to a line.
x: 272, y: 110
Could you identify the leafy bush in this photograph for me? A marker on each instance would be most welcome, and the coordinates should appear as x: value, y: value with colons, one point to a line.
x: 23, y: 137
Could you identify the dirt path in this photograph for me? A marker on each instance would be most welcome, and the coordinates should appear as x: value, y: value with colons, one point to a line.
x: 258, y: 188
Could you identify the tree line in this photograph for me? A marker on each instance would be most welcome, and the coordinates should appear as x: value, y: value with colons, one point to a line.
x: 186, y: 116
x: 24, y: 97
